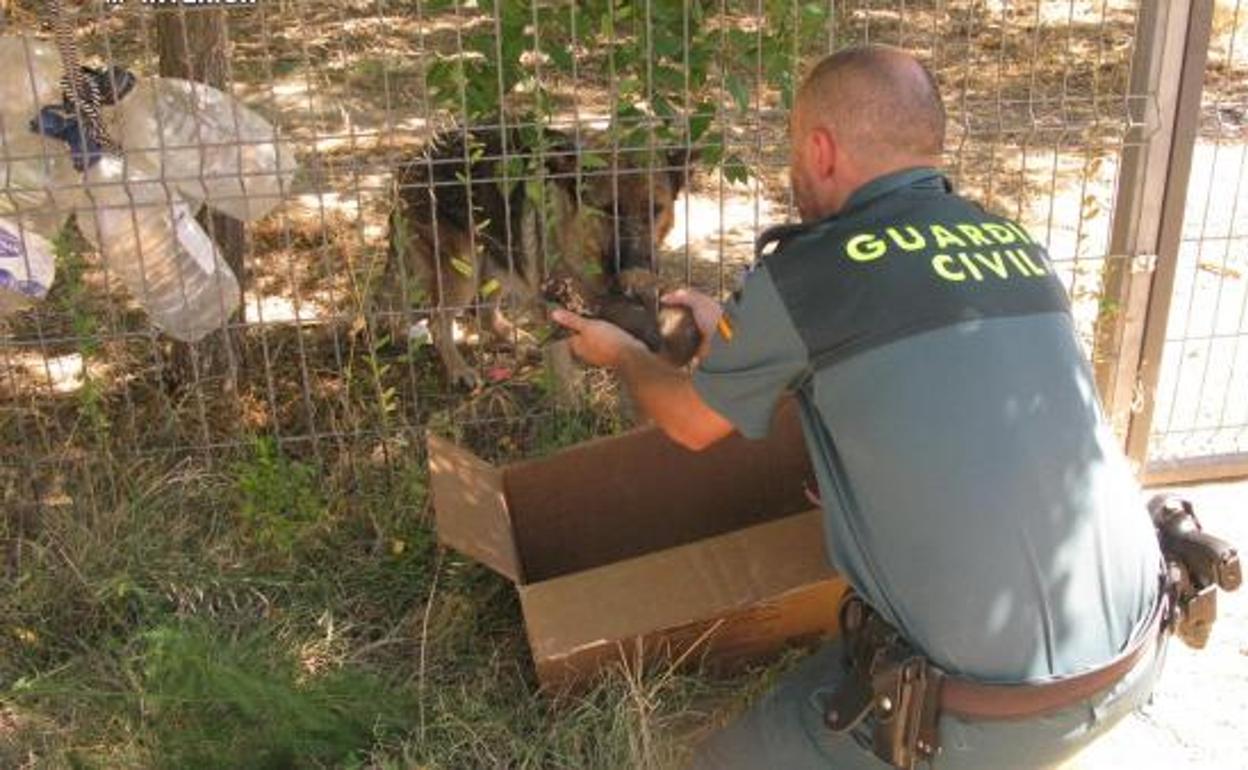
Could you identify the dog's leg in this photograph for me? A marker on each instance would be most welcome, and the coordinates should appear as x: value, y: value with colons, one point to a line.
x: 453, y: 290
x: 460, y: 374
x: 506, y: 331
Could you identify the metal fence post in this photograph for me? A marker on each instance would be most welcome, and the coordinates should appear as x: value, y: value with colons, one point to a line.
x: 1164, y: 105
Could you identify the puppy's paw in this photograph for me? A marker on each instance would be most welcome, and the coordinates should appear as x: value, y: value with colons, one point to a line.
x: 464, y: 377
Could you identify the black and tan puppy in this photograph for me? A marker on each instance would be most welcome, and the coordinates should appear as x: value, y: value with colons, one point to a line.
x: 485, y: 215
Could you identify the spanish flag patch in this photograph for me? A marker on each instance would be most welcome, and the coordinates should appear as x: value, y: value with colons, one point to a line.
x: 725, y: 328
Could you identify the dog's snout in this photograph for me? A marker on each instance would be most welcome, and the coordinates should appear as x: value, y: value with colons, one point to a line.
x: 631, y: 253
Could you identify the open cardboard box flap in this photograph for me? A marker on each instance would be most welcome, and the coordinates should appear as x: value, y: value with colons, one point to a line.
x: 613, y: 498
x: 633, y: 536
x: 471, y: 508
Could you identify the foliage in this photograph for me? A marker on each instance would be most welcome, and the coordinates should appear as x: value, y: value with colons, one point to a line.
x: 225, y: 703
x: 70, y: 298
x: 280, y: 497
x: 682, y: 72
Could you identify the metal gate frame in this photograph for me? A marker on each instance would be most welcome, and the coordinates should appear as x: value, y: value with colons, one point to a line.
x: 1167, y: 83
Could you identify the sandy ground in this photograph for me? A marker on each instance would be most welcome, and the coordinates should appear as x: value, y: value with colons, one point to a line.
x: 1200, y: 710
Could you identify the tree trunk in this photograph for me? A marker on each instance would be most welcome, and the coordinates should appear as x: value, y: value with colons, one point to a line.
x: 194, y: 45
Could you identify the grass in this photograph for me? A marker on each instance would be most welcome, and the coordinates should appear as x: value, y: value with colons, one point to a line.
x: 266, y: 610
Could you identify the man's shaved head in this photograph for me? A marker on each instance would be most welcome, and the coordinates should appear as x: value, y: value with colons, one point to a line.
x: 861, y: 113
x: 879, y: 100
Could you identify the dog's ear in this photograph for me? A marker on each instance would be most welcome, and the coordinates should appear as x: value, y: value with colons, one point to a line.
x: 561, y: 161
x: 561, y: 164
x: 680, y: 165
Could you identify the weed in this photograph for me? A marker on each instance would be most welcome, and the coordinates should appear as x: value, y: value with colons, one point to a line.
x: 215, y: 702
x: 280, y: 498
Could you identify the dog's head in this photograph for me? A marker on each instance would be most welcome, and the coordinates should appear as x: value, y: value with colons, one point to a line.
x: 636, y: 195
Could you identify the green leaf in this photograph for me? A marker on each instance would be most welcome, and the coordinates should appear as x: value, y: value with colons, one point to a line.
x: 562, y: 57
x: 534, y: 190
x: 491, y: 286
x: 740, y: 40
x: 662, y: 106
x: 670, y: 79
x: 461, y: 267
x: 590, y: 161
x: 814, y: 12
x: 735, y: 170
x: 668, y: 45
x: 713, y: 148
x: 740, y: 93
x: 700, y: 121
x: 628, y: 86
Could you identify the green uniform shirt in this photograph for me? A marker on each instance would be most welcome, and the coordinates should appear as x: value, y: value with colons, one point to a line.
x: 971, y: 488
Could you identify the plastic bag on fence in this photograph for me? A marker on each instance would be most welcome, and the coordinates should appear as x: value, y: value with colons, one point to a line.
x: 37, y: 177
x: 148, y: 237
x: 30, y: 76
x: 206, y: 142
x: 27, y: 266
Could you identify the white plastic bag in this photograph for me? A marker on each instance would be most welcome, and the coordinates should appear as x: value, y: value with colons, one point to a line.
x: 149, y: 238
x: 206, y: 142
x: 30, y: 77
x: 27, y: 266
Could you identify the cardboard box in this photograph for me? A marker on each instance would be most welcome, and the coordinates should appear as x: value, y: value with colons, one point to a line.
x: 632, y: 548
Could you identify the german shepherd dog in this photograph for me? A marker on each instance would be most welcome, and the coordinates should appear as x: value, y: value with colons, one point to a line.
x: 467, y: 224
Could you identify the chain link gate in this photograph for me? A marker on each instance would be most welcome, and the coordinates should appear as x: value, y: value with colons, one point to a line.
x: 1200, y: 425
x: 1172, y: 318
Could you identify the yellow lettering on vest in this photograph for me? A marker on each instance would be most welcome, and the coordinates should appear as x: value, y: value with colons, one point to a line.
x: 915, y: 242
x: 996, y: 264
x: 1035, y: 269
x: 1018, y: 264
x: 1021, y: 233
x: 973, y: 235
x: 970, y: 267
x: 941, y: 264
x: 945, y: 238
x: 1002, y: 233
x: 865, y: 247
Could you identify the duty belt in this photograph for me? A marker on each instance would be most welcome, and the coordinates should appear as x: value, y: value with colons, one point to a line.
x: 906, y: 694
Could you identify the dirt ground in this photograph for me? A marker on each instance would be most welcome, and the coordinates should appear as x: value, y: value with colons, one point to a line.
x: 1200, y: 709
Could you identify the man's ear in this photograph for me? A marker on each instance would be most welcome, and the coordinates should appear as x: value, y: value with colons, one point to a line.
x: 823, y: 151
x: 680, y: 165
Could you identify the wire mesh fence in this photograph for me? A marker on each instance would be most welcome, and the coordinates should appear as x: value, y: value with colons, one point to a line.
x: 1202, y: 402
x: 500, y: 125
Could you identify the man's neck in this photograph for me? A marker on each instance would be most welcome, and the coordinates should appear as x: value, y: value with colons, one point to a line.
x: 867, y: 176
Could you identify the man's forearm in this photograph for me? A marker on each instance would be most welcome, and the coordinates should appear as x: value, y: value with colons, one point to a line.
x: 667, y: 396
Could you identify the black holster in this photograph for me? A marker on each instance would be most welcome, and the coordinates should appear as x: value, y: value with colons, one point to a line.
x: 1197, y: 565
x: 890, y: 682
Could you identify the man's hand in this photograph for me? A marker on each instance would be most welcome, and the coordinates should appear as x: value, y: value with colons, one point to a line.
x: 664, y: 392
x: 597, y: 343
x: 706, y: 314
